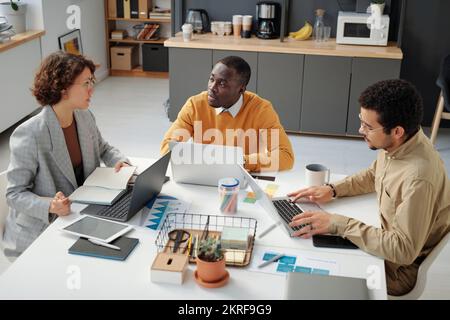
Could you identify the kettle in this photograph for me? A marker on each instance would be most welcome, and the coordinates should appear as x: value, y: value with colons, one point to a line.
x: 199, y: 19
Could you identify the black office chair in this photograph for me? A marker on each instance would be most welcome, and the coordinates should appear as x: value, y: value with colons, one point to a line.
x: 444, y: 98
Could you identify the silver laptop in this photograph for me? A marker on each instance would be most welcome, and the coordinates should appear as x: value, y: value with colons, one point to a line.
x: 205, y: 164
x: 280, y: 209
x: 304, y: 286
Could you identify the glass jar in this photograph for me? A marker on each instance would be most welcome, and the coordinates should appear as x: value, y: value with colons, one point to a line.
x: 229, y: 195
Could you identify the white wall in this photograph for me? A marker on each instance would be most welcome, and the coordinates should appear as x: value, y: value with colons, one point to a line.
x: 34, y: 14
x: 92, y: 29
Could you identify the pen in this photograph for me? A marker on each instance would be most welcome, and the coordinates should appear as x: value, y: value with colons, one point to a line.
x: 257, y: 177
x: 188, y: 246
x: 196, y: 246
x: 269, y: 229
x: 276, y: 258
x: 103, y: 244
x: 191, y: 249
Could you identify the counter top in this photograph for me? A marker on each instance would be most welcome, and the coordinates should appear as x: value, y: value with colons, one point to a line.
x: 310, y: 47
x: 21, y: 38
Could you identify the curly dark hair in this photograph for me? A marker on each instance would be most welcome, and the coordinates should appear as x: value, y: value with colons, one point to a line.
x: 57, y: 73
x: 397, y: 103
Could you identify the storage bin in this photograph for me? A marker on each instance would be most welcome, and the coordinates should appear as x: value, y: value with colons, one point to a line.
x: 124, y: 57
x: 155, y: 57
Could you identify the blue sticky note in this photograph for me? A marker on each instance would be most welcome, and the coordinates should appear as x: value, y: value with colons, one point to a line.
x: 321, y: 271
x: 268, y: 256
x: 285, y: 267
x: 288, y: 260
x: 303, y: 269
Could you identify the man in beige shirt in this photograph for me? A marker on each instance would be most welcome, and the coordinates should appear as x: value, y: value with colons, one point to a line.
x: 409, y: 177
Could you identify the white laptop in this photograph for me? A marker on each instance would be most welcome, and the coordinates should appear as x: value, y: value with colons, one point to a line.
x: 280, y: 209
x: 205, y: 164
x: 304, y: 286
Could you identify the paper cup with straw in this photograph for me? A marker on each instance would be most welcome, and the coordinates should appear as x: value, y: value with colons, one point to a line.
x: 229, y: 195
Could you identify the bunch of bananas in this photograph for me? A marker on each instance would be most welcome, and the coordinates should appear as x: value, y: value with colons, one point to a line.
x: 303, y: 33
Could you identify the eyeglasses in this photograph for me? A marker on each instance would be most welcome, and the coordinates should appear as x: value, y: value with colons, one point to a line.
x: 88, y: 83
x: 365, y: 128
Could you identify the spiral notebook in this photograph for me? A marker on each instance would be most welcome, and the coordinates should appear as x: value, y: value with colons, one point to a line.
x: 85, y: 248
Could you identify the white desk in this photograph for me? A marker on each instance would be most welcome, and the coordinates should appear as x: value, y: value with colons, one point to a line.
x: 46, y: 271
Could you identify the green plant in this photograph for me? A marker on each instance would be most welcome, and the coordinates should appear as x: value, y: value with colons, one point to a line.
x: 378, y: 1
x: 210, y: 250
x: 14, y: 5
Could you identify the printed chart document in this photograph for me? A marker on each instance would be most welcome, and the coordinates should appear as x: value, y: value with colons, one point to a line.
x: 103, y: 186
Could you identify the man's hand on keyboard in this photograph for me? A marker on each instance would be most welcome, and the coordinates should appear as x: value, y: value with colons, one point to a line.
x: 320, y: 194
x: 315, y: 223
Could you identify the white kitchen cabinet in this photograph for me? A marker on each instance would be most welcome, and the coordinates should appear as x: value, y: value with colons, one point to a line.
x: 17, y: 69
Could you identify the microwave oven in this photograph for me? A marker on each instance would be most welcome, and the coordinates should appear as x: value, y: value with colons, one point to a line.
x: 353, y: 28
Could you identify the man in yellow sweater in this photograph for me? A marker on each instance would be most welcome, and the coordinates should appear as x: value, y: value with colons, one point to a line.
x: 227, y: 114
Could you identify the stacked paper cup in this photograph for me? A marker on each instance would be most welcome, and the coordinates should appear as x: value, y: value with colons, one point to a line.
x: 237, y: 25
x: 187, y: 32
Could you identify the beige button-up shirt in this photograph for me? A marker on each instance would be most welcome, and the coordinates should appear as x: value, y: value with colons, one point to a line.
x: 413, y: 193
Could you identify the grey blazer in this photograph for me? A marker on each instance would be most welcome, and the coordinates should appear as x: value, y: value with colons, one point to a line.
x: 40, y: 166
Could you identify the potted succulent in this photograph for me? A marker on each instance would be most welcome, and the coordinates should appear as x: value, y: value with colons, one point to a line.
x: 15, y: 14
x: 210, y: 260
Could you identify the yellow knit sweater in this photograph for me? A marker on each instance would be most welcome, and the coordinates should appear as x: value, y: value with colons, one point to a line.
x: 256, y: 128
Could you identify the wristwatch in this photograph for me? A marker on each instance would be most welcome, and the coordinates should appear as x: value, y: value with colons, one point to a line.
x: 332, y: 189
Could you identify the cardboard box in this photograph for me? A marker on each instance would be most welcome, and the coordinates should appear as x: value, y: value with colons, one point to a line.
x: 119, y: 34
x: 124, y: 57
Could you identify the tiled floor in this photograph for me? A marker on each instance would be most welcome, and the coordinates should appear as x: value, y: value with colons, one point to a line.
x: 131, y: 116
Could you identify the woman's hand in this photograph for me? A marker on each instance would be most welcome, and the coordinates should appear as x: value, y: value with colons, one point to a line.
x: 313, y: 222
x: 320, y: 194
x: 60, y: 205
x: 119, y: 165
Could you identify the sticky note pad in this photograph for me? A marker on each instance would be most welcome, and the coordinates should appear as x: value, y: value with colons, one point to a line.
x: 272, y: 187
x: 288, y: 260
x: 249, y: 200
x: 234, y: 238
x: 303, y: 269
x: 285, y: 267
x: 321, y: 271
x: 235, y: 256
x: 268, y: 256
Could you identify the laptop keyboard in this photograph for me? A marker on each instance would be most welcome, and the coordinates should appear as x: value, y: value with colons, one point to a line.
x: 118, y: 210
x: 287, y: 210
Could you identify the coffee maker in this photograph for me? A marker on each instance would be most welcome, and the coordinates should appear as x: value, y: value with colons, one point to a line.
x: 268, y: 15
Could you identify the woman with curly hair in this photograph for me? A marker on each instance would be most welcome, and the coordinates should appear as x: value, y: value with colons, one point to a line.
x: 53, y: 152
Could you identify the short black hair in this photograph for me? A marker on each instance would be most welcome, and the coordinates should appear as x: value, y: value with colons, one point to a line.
x: 239, y: 65
x: 397, y: 103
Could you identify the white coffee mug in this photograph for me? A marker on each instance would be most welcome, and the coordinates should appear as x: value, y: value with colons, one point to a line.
x: 316, y: 175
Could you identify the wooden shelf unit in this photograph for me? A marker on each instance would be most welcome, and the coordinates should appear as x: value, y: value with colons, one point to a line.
x: 131, y: 40
x: 110, y: 25
x: 161, y: 20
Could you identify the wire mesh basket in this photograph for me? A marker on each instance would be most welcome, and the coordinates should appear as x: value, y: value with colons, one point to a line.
x: 200, y: 227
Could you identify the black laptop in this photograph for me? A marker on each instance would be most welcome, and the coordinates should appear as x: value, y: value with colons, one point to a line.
x: 147, y: 185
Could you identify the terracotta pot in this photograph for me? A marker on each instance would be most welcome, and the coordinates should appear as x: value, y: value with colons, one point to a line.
x: 211, y: 271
